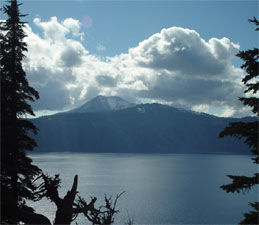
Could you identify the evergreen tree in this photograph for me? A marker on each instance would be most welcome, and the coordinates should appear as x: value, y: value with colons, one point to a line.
x: 17, y: 170
x: 18, y: 174
x: 247, y: 131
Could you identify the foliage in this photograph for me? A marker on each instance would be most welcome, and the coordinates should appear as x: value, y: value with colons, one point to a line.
x: 17, y: 170
x: 19, y: 176
x: 248, y: 132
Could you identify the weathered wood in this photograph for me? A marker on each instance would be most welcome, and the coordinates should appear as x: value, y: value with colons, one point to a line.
x: 64, y: 213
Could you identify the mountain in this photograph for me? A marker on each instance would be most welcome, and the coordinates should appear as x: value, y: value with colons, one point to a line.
x: 147, y: 128
x: 102, y: 104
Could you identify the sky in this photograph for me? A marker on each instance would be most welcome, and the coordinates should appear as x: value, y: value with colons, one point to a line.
x: 180, y: 53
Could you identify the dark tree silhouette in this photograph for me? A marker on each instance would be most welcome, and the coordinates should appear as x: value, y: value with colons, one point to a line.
x: 73, y: 204
x: 247, y: 131
x: 18, y: 175
x: 17, y: 170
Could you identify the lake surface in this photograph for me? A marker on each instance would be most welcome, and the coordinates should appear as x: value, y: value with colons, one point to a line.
x: 160, y: 188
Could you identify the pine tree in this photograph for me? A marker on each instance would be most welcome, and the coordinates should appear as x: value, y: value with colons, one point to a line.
x: 247, y: 131
x: 17, y: 170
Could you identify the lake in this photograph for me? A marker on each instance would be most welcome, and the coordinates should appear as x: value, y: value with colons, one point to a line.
x: 159, y: 188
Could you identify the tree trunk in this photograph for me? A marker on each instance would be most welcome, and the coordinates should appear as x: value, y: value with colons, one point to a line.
x: 64, y: 214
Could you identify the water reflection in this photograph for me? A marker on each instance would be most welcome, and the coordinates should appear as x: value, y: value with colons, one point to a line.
x: 160, y: 189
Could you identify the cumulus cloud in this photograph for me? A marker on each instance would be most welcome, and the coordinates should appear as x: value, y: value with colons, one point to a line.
x: 71, y: 56
x: 175, y: 66
x: 54, y: 96
x: 106, y: 81
x: 191, y: 91
x: 55, y: 30
x: 73, y: 26
x: 183, y: 50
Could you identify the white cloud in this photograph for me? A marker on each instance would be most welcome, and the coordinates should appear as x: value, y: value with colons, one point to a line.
x: 100, y: 47
x: 56, y: 31
x: 52, y: 29
x: 228, y: 112
x: 201, y: 108
x: 223, y: 48
x: 74, y: 27
x: 175, y: 66
x: 183, y: 50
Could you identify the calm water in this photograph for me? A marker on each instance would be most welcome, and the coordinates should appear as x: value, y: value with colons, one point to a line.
x: 160, y: 189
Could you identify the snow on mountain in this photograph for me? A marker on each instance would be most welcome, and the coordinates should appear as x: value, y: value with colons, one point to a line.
x: 102, y: 104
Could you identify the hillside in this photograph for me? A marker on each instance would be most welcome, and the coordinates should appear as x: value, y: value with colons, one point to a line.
x: 149, y: 128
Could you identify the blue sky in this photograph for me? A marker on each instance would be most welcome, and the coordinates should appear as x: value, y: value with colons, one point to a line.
x: 119, y: 25
x: 180, y: 53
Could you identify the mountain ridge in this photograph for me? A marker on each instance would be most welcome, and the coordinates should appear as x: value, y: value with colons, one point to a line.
x: 144, y: 128
x: 102, y: 104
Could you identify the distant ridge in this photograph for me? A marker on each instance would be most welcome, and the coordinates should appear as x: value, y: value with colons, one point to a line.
x: 99, y: 126
x: 103, y: 104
